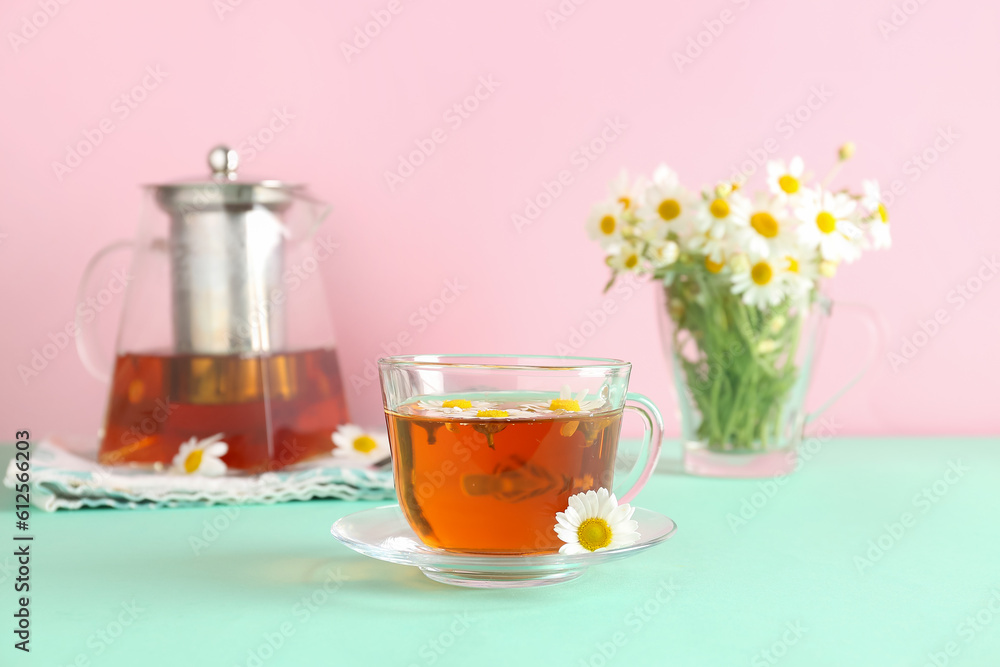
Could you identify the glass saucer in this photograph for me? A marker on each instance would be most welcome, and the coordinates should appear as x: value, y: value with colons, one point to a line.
x: 383, y: 533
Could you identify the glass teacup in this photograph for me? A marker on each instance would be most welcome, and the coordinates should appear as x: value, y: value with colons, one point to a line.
x: 487, y: 449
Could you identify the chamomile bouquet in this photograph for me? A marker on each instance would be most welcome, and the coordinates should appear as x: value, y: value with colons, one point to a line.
x: 740, y: 273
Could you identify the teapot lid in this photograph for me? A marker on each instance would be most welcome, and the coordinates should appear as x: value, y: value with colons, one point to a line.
x: 224, y: 188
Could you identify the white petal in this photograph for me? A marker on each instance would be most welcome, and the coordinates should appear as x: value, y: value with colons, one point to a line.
x: 182, y: 455
x: 217, y: 449
x: 572, y: 549
x: 568, y: 536
x: 565, y: 522
x: 626, y: 540
x: 631, y: 510
x: 628, y: 527
x: 211, y: 467
x: 578, y: 506
x: 608, y: 500
x: 618, y: 515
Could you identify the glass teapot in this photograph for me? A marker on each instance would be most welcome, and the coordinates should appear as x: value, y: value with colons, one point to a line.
x: 224, y: 334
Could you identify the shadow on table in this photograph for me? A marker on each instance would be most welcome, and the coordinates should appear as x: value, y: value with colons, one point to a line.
x: 366, y: 582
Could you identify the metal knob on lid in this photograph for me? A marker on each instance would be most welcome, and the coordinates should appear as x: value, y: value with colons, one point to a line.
x: 223, y: 161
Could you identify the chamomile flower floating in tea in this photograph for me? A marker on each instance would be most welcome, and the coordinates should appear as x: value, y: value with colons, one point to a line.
x: 593, y: 521
x: 451, y: 406
x: 355, y: 445
x: 201, y: 457
x: 568, y: 403
x: 738, y: 263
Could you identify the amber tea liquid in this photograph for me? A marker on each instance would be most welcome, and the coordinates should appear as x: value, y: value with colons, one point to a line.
x: 495, y: 485
x: 273, y: 411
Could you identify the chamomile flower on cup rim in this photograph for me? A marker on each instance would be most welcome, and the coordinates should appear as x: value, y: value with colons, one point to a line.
x: 201, y: 457
x: 359, y: 446
x: 593, y: 520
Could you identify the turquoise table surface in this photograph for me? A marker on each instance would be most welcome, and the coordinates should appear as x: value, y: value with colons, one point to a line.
x: 876, y: 552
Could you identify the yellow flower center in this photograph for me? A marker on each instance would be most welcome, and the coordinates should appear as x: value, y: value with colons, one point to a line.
x: 564, y: 404
x: 492, y: 414
x: 626, y: 202
x: 631, y: 261
x: 608, y: 225
x: 793, y: 264
x: 719, y: 208
x: 193, y: 461
x: 594, y: 534
x: 789, y: 184
x: 669, y: 209
x: 883, y: 212
x: 765, y: 224
x: 826, y: 222
x: 761, y: 273
x: 713, y: 267
x: 457, y: 403
x: 364, y: 444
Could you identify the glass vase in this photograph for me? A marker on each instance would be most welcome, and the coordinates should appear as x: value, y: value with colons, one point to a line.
x: 742, y: 374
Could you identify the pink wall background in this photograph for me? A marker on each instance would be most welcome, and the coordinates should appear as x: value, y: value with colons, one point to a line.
x: 891, y: 91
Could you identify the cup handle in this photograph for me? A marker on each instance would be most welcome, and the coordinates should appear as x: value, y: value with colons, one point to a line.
x: 87, y: 347
x: 875, y: 345
x: 651, y: 443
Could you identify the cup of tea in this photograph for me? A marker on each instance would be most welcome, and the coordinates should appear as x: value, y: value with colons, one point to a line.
x: 486, y: 450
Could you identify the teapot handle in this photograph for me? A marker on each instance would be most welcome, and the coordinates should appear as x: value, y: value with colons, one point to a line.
x: 87, y: 347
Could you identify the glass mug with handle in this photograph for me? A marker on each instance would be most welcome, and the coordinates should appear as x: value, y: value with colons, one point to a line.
x: 487, y: 449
